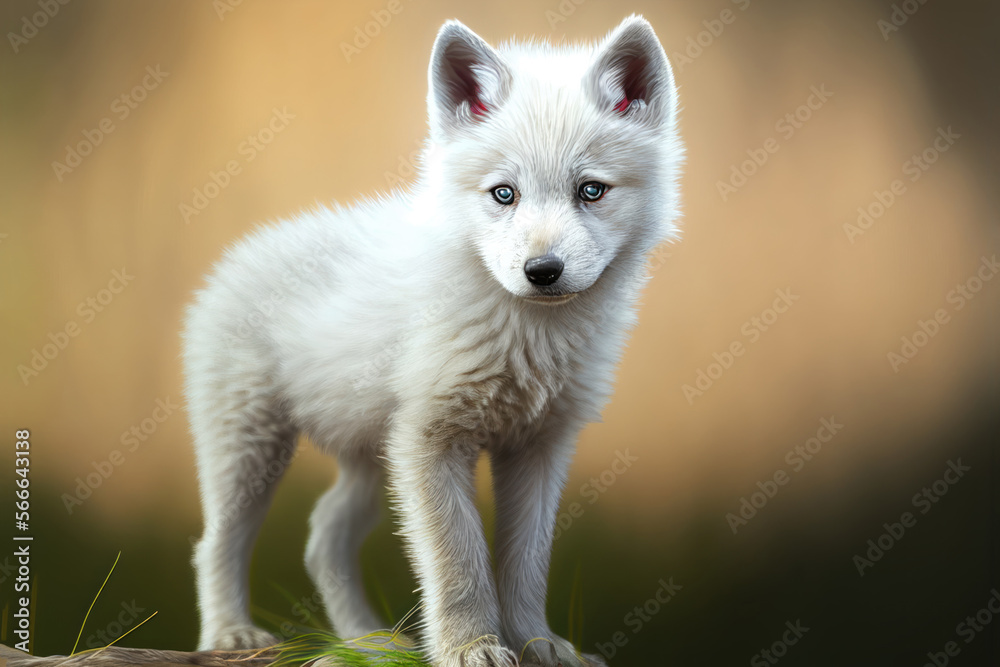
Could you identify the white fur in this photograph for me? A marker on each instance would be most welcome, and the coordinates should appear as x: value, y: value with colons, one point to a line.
x: 403, y: 337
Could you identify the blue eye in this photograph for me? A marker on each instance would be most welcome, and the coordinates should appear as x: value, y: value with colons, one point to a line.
x: 504, y: 194
x: 592, y: 191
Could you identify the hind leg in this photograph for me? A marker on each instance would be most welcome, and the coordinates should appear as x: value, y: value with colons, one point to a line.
x: 343, y: 517
x: 241, y: 458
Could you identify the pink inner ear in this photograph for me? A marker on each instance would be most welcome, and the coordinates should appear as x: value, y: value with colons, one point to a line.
x: 622, y: 105
x: 477, y: 107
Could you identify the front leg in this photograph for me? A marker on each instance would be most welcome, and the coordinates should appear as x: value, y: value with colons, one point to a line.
x: 431, y: 477
x: 528, y: 481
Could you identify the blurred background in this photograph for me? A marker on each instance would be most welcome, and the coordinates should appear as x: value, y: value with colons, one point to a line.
x: 842, y: 155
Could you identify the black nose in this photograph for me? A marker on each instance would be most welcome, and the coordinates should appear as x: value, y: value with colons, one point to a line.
x: 543, y: 270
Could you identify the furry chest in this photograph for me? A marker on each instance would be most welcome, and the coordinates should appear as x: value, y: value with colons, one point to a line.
x: 493, y: 410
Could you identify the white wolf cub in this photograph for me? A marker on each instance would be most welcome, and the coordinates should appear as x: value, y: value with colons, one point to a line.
x: 482, y: 310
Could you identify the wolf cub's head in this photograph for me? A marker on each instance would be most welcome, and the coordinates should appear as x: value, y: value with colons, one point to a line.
x: 558, y: 161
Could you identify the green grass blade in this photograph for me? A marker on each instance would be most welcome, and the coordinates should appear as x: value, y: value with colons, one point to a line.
x: 77, y: 643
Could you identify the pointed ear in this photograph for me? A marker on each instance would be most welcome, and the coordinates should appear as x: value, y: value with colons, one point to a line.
x: 631, y: 75
x: 468, y: 80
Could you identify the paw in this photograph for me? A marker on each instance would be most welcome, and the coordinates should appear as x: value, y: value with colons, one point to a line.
x: 239, y: 637
x: 483, y: 653
x: 557, y: 652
